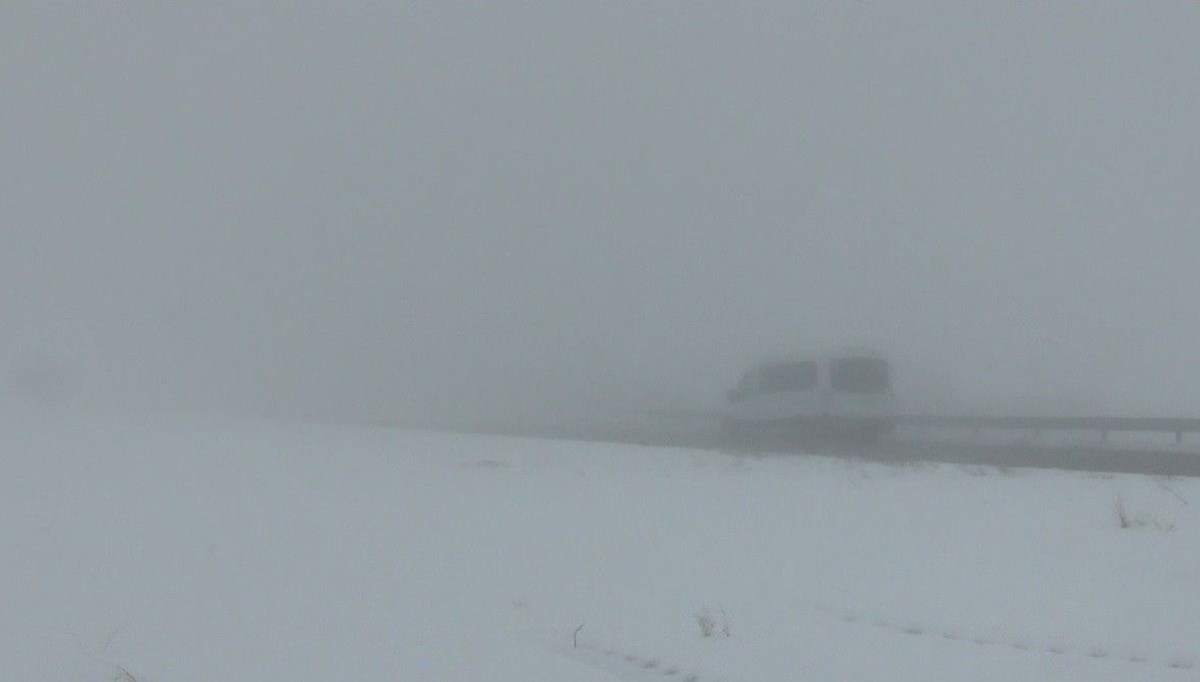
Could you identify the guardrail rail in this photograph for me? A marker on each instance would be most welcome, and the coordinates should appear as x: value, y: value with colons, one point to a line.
x: 1176, y: 425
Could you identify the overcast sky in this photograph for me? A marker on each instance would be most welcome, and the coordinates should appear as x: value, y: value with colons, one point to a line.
x: 381, y: 209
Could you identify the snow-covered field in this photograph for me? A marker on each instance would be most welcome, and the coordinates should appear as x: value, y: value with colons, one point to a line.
x: 164, y: 549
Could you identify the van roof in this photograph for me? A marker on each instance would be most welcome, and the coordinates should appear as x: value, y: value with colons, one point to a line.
x: 839, y: 353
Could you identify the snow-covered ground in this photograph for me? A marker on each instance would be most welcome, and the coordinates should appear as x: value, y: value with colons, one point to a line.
x: 163, y: 549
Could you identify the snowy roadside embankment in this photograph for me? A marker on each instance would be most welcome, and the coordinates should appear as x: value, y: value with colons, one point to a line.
x: 222, y: 550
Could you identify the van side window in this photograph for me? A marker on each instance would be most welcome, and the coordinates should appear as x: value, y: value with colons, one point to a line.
x: 859, y: 375
x: 788, y: 376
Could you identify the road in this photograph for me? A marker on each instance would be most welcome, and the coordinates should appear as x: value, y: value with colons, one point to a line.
x: 951, y: 449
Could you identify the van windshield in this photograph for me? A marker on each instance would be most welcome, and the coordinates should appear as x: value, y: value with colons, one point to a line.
x: 787, y: 376
x: 859, y: 375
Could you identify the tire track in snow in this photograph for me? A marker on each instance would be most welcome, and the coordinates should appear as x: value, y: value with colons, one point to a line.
x: 630, y: 665
x: 915, y: 629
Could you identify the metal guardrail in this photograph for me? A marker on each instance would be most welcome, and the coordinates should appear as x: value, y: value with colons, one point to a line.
x: 1105, y: 425
x: 1176, y: 425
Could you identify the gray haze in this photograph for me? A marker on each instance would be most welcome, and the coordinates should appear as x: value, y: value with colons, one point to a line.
x: 446, y: 210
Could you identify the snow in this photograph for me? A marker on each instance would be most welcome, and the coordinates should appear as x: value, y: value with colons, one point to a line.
x: 168, y: 548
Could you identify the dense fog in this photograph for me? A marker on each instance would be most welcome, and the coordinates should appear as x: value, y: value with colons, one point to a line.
x: 451, y: 211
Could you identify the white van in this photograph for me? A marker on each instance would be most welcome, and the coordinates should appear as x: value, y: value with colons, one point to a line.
x: 841, y: 393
